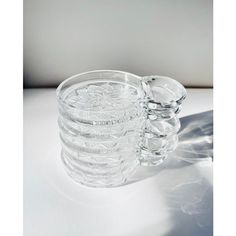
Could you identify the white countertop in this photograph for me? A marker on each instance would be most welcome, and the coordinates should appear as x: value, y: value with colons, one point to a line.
x: 171, y: 201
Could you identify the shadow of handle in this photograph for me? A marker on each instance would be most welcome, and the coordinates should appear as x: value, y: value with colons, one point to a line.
x: 195, y: 145
x: 196, y: 138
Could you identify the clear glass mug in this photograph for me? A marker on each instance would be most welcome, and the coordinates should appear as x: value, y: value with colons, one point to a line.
x: 112, y: 121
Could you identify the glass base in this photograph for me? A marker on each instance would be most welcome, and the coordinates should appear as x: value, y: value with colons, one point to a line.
x: 91, y: 176
x: 152, y: 161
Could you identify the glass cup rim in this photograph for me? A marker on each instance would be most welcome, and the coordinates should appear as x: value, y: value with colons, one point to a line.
x: 139, y: 78
x: 60, y: 86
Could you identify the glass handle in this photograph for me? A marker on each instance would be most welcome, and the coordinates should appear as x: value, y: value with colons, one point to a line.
x: 162, y: 102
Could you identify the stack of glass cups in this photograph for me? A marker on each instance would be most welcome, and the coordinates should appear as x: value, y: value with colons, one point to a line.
x: 110, y: 121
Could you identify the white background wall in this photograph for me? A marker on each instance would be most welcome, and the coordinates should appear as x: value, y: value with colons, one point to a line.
x: 167, y: 37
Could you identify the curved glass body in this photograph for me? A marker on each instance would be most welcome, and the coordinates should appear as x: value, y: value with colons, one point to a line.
x: 110, y: 121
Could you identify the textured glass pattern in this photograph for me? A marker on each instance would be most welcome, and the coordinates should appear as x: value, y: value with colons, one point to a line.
x: 111, y: 121
x: 100, y: 123
x: 163, y: 98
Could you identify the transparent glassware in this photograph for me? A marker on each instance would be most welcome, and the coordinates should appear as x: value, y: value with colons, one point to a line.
x: 112, y: 121
x: 162, y: 102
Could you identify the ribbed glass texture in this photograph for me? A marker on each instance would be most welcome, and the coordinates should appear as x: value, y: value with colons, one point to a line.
x: 111, y: 121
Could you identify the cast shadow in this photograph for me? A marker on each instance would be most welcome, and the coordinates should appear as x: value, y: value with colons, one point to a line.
x: 185, y: 180
x: 191, y: 206
x: 195, y: 144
